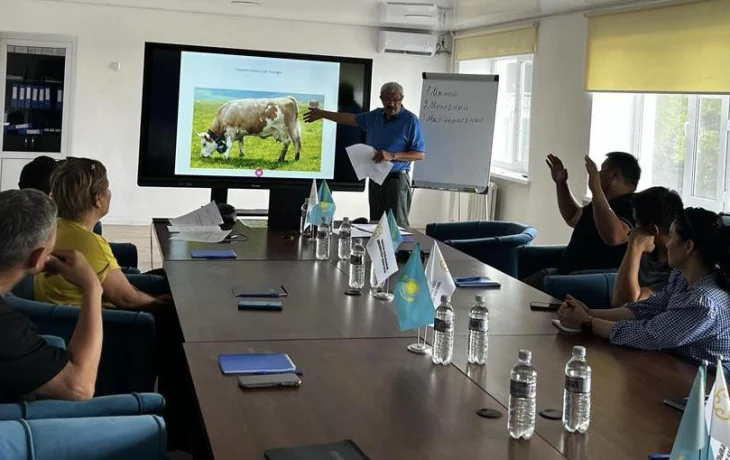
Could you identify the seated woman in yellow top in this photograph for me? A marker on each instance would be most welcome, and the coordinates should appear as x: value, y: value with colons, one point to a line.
x: 80, y: 189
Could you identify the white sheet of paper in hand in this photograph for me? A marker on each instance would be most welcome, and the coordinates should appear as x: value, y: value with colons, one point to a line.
x: 207, y: 215
x: 361, y: 157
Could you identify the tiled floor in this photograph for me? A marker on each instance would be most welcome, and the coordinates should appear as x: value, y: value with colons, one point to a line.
x: 141, y: 236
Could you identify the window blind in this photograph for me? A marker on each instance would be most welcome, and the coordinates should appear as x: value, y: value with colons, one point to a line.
x: 491, y: 44
x: 684, y: 48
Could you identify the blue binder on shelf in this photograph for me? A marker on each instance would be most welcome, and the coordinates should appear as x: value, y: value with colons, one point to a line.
x: 14, y: 97
x: 41, y: 97
x: 28, y: 96
x: 59, y: 100
x: 34, y: 99
x: 256, y: 363
x: 47, y: 98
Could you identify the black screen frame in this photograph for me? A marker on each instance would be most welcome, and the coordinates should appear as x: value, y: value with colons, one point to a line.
x: 148, y: 180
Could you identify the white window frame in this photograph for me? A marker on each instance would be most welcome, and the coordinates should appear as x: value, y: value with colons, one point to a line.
x: 515, y: 169
x: 643, y: 148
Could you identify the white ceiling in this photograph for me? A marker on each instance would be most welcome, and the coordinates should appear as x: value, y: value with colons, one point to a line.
x: 463, y: 14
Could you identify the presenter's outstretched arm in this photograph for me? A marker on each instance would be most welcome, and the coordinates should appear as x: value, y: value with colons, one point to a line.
x: 344, y: 118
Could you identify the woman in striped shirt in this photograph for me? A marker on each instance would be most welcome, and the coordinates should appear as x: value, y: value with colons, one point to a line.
x: 691, y: 315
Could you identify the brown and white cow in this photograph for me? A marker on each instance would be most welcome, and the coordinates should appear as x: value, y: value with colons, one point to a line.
x: 274, y: 117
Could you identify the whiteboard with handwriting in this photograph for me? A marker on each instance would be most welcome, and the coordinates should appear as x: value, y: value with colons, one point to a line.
x: 457, y: 117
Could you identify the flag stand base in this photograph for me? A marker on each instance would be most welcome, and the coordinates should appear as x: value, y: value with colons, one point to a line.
x: 419, y: 348
x: 384, y: 296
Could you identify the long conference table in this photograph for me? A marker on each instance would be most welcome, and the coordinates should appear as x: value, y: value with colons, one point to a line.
x: 359, y: 382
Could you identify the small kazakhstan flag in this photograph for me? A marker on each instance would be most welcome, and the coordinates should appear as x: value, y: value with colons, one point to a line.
x: 325, y: 208
x: 395, y: 235
x: 412, y: 294
x: 692, y: 433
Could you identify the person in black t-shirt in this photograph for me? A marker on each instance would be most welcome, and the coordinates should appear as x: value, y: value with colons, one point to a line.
x: 601, y: 228
x: 30, y: 367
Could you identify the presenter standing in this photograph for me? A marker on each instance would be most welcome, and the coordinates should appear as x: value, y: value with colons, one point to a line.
x: 395, y: 133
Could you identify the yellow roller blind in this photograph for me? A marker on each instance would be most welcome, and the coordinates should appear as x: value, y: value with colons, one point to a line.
x: 682, y: 48
x: 490, y: 44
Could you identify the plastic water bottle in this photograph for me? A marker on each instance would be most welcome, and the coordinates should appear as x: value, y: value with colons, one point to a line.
x: 443, y: 332
x: 577, y: 395
x: 357, y: 266
x: 303, y: 218
x: 344, y: 244
x: 522, y: 391
x: 476, y: 352
x: 323, y: 240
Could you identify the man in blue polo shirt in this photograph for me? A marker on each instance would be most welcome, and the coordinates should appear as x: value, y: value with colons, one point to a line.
x: 396, y: 135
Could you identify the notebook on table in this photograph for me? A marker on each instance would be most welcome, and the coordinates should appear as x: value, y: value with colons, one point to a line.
x: 212, y: 254
x: 476, y: 282
x: 256, y: 363
x: 344, y: 450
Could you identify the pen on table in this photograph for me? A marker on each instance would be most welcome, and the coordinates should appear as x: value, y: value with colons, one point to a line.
x: 286, y: 293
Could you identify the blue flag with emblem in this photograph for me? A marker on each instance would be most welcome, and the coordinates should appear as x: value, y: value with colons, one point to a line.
x: 412, y: 295
x: 692, y: 434
x: 325, y: 208
x: 395, y: 235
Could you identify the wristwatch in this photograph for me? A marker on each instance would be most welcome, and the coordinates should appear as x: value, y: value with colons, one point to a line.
x: 587, y: 326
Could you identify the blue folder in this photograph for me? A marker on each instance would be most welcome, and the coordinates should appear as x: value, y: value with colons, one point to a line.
x: 213, y: 254
x: 256, y: 363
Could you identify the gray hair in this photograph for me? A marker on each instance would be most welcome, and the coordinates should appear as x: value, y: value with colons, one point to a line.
x: 391, y: 87
x: 28, y: 220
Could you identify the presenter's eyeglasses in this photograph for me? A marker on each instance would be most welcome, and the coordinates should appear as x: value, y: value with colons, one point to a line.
x: 391, y: 100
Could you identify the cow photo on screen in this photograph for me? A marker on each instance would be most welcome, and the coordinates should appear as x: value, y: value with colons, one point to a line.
x: 254, y: 130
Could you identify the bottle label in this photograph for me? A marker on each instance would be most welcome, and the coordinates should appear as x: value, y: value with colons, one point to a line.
x: 440, y: 325
x: 522, y: 389
x: 478, y: 325
x: 356, y: 259
x: 577, y: 385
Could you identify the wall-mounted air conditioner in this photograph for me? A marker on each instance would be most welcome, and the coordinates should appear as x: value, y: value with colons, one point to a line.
x: 411, y: 43
x: 405, y: 15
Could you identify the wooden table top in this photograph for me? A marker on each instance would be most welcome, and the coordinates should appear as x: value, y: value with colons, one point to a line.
x: 393, y: 404
x: 628, y: 418
x: 261, y: 244
x: 316, y: 307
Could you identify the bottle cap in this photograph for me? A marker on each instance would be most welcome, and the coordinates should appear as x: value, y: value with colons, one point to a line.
x: 445, y: 299
x: 579, y: 352
x: 525, y: 355
x: 346, y: 219
x: 479, y: 299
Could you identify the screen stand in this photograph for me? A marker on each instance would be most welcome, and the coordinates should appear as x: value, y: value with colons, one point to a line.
x: 285, y: 206
x: 219, y: 195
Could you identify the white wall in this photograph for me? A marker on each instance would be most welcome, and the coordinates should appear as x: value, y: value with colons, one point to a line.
x: 108, y: 103
x: 560, y: 124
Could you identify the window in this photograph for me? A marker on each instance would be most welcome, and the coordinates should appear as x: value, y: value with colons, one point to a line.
x: 511, y: 146
x: 681, y: 141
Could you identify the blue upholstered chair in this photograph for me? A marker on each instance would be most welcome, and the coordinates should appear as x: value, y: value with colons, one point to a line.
x: 494, y: 243
x: 593, y: 287
x: 127, y: 352
x: 109, y: 438
x: 102, y: 406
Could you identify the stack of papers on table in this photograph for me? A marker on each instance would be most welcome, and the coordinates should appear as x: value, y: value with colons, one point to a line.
x: 201, y: 225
